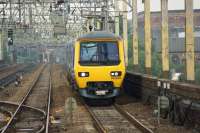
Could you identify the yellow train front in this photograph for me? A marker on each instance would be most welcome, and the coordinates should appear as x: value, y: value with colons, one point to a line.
x: 99, y: 66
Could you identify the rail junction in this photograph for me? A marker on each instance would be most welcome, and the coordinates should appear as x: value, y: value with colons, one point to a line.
x: 54, y: 55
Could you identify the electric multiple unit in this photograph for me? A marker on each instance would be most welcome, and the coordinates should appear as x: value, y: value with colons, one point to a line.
x: 96, y: 65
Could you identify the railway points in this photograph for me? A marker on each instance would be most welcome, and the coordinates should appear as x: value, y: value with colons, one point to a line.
x: 99, y: 66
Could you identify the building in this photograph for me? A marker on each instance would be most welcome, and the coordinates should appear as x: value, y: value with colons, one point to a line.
x: 176, y: 33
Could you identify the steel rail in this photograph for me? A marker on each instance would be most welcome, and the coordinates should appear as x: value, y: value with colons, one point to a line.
x: 97, y: 123
x: 133, y: 120
x: 10, y: 122
x: 9, y: 75
x: 5, y: 112
x: 7, y: 68
x: 49, y: 104
x: 31, y: 130
x: 24, y: 106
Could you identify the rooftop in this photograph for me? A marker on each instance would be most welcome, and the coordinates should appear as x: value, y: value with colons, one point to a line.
x: 99, y: 34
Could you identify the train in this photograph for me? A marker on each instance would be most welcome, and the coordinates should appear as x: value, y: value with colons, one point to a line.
x: 96, y: 65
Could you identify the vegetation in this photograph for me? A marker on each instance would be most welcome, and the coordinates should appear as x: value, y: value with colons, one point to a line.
x: 197, y: 72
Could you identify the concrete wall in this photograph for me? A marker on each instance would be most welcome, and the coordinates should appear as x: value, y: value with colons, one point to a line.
x: 184, y: 108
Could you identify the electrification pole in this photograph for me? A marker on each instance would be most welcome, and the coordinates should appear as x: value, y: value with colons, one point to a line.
x: 135, y: 35
x: 165, y: 38
x: 189, y: 41
x: 116, y: 18
x: 147, y: 30
x: 125, y: 31
x: 106, y: 16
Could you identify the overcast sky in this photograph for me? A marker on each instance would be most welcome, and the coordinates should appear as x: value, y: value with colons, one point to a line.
x: 155, y: 5
x: 173, y: 5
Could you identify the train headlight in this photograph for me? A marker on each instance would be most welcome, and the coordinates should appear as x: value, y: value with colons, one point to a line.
x: 115, y: 73
x: 112, y: 74
x: 83, y: 74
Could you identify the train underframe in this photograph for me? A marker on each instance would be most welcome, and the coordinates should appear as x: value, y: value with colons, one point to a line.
x: 99, y: 90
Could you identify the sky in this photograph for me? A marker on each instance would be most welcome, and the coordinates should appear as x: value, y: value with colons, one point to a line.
x: 172, y: 5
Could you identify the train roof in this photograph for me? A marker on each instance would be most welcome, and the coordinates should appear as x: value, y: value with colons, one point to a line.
x: 99, y: 35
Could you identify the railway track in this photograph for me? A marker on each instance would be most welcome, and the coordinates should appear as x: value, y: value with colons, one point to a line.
x: 113, y: 119
x: 32, y: 113
x: 8, y: 74
x: 9, y: 70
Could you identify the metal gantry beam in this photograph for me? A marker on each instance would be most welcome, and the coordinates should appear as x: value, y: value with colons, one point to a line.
x: 34, y: 13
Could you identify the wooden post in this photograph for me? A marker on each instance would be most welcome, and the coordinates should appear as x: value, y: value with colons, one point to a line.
x: 147, y: 30
x: 189, y: 41
x: 165, y: 37
x: 125, y: 32
x: 116, y: 18
x: 135, y: 35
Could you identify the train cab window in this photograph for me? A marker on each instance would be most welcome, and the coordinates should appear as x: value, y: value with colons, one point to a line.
x: 99, y: 53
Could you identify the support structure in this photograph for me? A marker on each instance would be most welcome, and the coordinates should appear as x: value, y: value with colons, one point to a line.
x: 1, y: 46
x: 135, y: 35
x: 116, y: 18
x: 106, y: 16
x: 88, y: 25
x: 19, y: 10
x: 24, y: 6
x: 30, y: 15
x: 92, y: 23
x: 165, y: 37
x: 10, y: 10
x: 147, y: 31
x: 189, y: 40
x: 125, y: 32
x: 98, y: 25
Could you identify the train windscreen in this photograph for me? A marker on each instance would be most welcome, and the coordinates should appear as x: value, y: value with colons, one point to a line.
x: 99, y: 53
